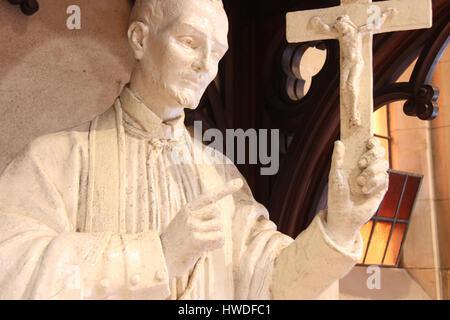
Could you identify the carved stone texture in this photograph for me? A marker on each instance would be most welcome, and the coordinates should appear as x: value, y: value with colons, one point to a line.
x: 28, y: 7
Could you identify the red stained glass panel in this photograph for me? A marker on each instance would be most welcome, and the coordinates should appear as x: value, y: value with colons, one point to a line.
x: 411, y: 189
x: 392, y: 197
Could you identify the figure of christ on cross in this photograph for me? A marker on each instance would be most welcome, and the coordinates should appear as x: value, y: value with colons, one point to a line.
x: 350, y: 37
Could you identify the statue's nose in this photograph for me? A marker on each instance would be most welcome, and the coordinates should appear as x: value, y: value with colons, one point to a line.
x: 203, y: 60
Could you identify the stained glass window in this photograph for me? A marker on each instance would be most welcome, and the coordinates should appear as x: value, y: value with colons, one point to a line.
x: 384, y: 234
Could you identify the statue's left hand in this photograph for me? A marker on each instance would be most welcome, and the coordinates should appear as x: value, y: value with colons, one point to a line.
x: 348, y: 212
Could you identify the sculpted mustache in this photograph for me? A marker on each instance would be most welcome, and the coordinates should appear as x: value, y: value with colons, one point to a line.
x: 194, y: 78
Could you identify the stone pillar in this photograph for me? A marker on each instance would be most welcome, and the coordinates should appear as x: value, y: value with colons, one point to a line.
x: 440, y: 137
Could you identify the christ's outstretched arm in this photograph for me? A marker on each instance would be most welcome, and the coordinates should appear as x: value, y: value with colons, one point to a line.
x: 379, y: 22
x: 321, y: 26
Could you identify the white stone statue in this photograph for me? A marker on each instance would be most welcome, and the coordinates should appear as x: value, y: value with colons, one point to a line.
x: 351, y: 40
x: 102, y: 211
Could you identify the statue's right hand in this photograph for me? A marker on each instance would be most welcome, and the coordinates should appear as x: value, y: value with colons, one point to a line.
x: 197, y: 228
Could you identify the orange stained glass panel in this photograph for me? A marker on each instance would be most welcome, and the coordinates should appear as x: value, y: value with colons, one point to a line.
x: 380, y: 122
x: 408, y: 198
x: 395, y: 244
x: 392, y: 197
x: 365, y: 233
x: 378, y: 242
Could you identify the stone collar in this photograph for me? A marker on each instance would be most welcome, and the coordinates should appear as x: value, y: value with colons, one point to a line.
x: 148, y: 120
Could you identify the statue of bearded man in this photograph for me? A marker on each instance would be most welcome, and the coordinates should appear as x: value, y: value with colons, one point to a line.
x: 105, y: 211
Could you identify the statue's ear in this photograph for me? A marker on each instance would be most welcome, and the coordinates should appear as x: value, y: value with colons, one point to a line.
x: 137, y: 36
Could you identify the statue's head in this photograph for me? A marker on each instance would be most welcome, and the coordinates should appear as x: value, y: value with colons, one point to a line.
x: 178, y: 45
x: 344, y: 24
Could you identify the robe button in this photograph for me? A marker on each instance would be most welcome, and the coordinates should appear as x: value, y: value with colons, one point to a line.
x: 159, y: 276
x: 105, y: 284
x: 135, y: 280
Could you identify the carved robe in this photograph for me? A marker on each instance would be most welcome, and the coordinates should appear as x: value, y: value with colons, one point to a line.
x: 81, y: 212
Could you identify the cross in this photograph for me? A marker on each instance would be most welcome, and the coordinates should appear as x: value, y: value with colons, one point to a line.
x: 353, y: 23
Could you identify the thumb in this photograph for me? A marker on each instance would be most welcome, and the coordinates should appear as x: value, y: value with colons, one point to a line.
x: 338, y: 184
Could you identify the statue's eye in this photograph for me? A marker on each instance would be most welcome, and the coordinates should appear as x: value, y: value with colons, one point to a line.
x: 187, y: 41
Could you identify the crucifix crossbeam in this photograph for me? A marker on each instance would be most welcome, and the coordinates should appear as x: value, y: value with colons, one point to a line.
x: 354, y: 23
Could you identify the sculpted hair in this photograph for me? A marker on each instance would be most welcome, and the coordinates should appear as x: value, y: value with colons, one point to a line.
x: 151, y: 12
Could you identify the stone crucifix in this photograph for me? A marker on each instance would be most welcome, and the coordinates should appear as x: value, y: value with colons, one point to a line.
x: 354, y: 23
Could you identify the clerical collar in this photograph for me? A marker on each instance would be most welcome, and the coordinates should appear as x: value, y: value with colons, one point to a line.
x: 147, y: 119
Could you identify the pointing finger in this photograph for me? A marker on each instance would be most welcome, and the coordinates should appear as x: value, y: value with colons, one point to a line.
x: 217, y: 194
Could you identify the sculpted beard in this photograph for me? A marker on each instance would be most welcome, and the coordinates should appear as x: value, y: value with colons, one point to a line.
x: 185, y: 97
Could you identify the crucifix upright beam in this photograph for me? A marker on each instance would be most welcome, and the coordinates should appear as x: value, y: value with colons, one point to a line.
x: 354, y: 23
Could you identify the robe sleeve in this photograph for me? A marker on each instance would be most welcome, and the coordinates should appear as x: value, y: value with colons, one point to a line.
x: 310, y: 265
x: 271, y: 265
x: 42, y: 256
